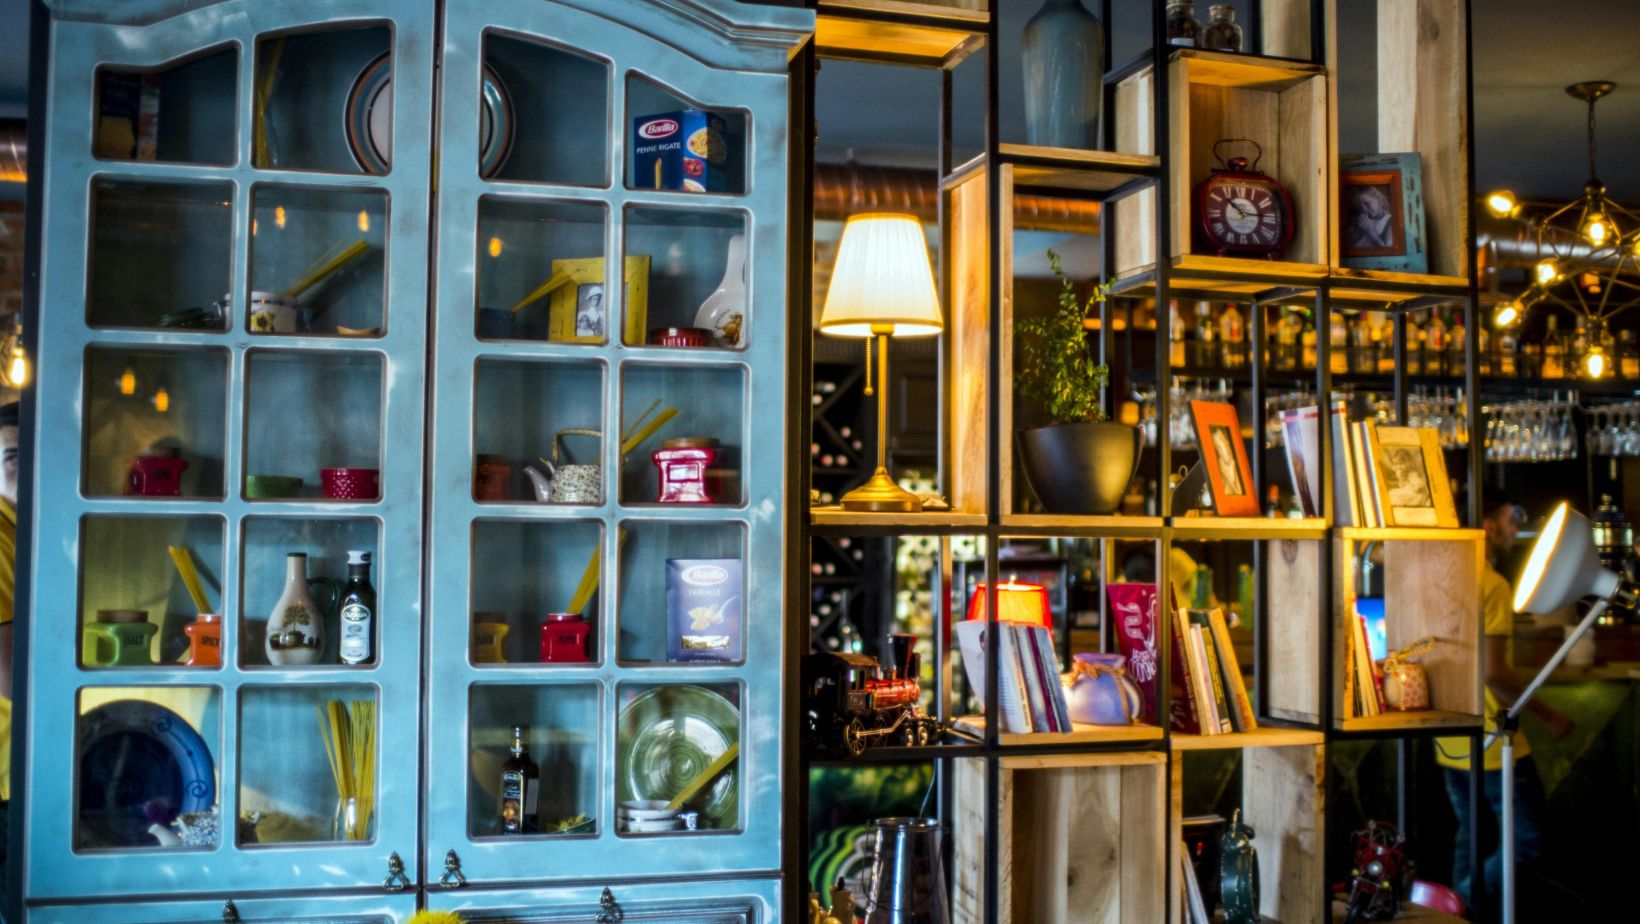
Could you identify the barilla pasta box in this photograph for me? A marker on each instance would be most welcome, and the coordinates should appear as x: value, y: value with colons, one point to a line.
x: 685, y: 150
x: 703, y: 609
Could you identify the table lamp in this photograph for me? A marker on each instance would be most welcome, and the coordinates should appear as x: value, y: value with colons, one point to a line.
x: 1564, y: 567
x: 881, y: 287
x: 1017, y: 601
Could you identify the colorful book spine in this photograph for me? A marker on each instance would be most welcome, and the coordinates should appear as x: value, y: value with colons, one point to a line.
x: 1059, y: 706
x: 1183, y: 705
x: 1026, y: 676
x: 1133, y: 609
x: 1215, y: 681
x: 1346, y: 505
x: 1230, y: 667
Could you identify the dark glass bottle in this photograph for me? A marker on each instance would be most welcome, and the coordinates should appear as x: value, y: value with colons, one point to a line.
x: 1182, y: 28
x: 520, y: 787
x: 358, y: 611
x: 1222, y: 33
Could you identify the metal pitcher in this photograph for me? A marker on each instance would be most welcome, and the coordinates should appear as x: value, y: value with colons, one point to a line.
x: 907, y: 877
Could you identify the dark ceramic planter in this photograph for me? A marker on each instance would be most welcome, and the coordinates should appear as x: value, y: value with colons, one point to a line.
x: 1080, y: 468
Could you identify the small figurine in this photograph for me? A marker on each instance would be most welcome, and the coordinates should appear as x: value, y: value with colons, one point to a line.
x: 1377, y: 878
x: 852, y: 701
x: 842, y: 903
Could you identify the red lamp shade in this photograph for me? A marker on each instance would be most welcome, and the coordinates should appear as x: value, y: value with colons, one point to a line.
x: 1017, y: 601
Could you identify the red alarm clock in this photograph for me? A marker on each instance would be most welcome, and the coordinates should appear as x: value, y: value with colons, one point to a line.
x: 1240, y: 211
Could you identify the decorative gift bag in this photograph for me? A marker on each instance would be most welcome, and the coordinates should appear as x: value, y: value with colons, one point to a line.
x: 1406, y: 685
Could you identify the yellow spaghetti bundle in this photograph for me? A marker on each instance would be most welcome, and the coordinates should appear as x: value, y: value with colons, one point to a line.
x: 328, y: 264
x: 190, y: 577
x: 349, y: 730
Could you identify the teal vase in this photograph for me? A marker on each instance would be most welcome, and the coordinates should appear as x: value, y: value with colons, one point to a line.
x: 1064, y: 58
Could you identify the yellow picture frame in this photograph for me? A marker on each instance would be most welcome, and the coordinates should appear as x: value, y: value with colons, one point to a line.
x: 566, y: 317
x: 1411, y: 478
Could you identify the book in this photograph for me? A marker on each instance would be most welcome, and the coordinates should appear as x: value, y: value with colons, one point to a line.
x: 1374, y: 675
x: 1133, y: 623
x: 1059, y: 707
x: 971, y: 640
x: 1361, y: 462
x: 1346, y: 506
x: 1352, y: 704
x: 1030, y: 668
x: 1230, y: 667
x: 1208, y: 716
x: 1361, y: 664
x: 1300, y: 440
x: 1195, y: 909
x: 1183, y: 713
x: 1210, y: 659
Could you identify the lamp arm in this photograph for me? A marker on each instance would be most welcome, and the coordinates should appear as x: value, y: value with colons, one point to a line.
x: 1513, y: 714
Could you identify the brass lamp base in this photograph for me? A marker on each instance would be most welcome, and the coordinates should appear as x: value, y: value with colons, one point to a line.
x: 882, y: 495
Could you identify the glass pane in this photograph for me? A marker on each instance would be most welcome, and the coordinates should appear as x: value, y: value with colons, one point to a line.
x: 566, y: 99
x: 318, y: 261
x: 672, y: 740
x: 326, y: 101
x: 316, y: 417
x: 541, y: 271
x: 527, y: 412
x: 184, y: 113
x: 307, y: 763
x: 135, y: 607
x: 695, y: 269
x: 682, y: 589
x: 154, y: 422
x: 534, y: 592
x: 269, y: 590
x: 145, y: 768
x: 678, y: 144
x: 559, y: 725
x: 160, y: 254
x: 709, y: 402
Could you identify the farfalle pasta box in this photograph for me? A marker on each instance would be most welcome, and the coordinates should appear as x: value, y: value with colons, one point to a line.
x: 703, y: 609
x: 686, y: 150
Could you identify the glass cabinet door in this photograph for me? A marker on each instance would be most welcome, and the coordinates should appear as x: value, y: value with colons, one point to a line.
x: 606, y: 574
x: 230, y: 407
x: 746, y: 901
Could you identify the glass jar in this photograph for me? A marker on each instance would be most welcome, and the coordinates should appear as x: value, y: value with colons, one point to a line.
x: 1182, y: 28
x: 1222, y: 33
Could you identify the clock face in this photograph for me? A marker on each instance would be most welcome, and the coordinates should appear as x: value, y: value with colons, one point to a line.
x: 1242, y: 216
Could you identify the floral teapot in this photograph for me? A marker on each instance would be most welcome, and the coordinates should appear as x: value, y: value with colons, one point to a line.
x: 1100, y: 692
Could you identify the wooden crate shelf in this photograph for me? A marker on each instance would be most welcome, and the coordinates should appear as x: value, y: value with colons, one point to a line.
x: 1258, y: 738
x: 1405, y: 534
x: 1283, y: 797
x: 1281, y: 105
x: 926, y: 34
x: 835, y: 519
x: 1409, y: 721
x: 1112, y: 527
x: 1080, y: 734
x: 1209, y: 527
x: 1080, y: 838
x: 1416, y: 914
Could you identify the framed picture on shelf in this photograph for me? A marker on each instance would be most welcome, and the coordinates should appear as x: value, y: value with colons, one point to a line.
x: 1381, y: 213
x: 1224, y: 458
x: 1411, y: 477
x: 579, y: 312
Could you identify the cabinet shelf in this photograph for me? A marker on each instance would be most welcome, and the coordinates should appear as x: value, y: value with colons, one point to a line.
x: 1259, y: 738
x: 836, y: 520
x: 1080, y: 734
x: 1404, y: 534
x: 1114, y: 527
x: 1421, y: 720
x: 1247, y: 528
x: 1037, y: 167
x: 898, y: 31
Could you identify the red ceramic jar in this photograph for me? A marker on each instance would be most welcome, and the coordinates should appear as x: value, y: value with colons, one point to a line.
x: 351, y: 483
x: 680, y: 337
x: 204, y: 640
x: 492, y: 479
x: 684, y: 465
x: 564, y: 639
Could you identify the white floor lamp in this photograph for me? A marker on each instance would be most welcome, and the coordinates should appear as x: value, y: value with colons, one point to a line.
x: 1562, y: 569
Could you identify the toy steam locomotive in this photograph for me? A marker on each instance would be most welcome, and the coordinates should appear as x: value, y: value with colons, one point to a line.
x: 852, y: 701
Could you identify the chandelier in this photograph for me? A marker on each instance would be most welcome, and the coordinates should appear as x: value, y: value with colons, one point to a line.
x: 1584, y: 249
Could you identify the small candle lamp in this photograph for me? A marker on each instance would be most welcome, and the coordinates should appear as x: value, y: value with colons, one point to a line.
x: 1017, y: 601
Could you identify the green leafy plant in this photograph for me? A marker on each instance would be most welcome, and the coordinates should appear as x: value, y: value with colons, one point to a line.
x: 1056, y: 365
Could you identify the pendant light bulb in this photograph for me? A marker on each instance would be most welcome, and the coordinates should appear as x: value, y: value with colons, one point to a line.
x: 1507, y: 315
x: 127, y: 382
x: 1597, y: 228
x: 1502, y: 203
x: 162, y: 400
x: 1546, y: 272
x: 1595, y: 364
x: 17, y: 370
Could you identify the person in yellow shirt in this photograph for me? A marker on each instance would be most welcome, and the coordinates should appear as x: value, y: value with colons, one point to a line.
x: 1500, y: 520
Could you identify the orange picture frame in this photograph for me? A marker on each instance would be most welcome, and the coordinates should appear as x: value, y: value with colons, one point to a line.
x: 1224, y: 459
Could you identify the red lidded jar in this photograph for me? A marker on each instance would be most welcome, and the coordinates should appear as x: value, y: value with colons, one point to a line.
x: 564, y: 639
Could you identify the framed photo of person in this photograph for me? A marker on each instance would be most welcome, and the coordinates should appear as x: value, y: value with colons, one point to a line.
x: 1411, y: 477
x: 1224, y: 457
x: 580, y: 310
x: 1381, y: 213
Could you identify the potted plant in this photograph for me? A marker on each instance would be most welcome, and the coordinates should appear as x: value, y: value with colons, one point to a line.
x: 1081, y: 463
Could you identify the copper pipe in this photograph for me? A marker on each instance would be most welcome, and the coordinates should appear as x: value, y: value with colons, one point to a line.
x: 841, y: 190
x: 13, y: 151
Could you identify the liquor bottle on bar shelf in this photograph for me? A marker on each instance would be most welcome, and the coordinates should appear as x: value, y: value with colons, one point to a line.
x: 520, y: 787
x: 1183, y: 30
x: 358, y: 612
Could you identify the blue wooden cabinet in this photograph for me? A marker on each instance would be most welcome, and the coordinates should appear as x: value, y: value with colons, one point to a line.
x: 206, y: 162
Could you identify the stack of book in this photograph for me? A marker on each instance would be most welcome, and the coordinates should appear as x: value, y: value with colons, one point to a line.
x: 1030, y: 695
x: 1381, y: 475
x: 1209, y: 696
x: 1363, y: 680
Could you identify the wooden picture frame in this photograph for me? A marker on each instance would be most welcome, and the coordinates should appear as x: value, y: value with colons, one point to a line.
x: 1224, y: 458
x: 1381, y: 213
x: 577, y: 312
x: 1411, y: 477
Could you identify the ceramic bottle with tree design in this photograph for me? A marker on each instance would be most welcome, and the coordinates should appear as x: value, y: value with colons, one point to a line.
x: 296, y: 628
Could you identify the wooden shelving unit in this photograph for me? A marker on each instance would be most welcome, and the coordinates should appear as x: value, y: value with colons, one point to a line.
x: 1116, y: 794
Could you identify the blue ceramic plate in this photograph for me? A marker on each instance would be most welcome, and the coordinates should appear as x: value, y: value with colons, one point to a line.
x: 132, y: 754
x: 369, y: 119
x: 668, y: 735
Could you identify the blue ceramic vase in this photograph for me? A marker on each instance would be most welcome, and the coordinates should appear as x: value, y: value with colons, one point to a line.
x: 1063, y: 54
x: 1101, y: 692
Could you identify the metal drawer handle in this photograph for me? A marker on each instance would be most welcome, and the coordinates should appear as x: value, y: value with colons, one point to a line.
x: 396, y: 880
x: 610, y: 911
x: 452, y: 878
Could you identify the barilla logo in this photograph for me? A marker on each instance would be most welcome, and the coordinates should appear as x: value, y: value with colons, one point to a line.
x: 660, y: 128
x: 706, y: 574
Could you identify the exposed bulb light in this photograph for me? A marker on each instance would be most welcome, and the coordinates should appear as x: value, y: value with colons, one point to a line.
x: 279, y: 217
x: 364, y: 220
x: 1546, y: 272
x: 495, y: 246
x: 1597, y: 228
x: 1595, y: 363
x: 17, y: 370
x: 127, y: 382
x: 162, y: 400
x: 1507, y: 315
x: 1502, y: 204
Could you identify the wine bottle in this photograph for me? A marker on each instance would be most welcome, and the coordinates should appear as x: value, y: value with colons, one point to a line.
x: 358, y: 612
x: 520, y: 787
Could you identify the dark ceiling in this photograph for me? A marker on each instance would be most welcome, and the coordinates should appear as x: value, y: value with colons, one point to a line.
x: 1529, y: 134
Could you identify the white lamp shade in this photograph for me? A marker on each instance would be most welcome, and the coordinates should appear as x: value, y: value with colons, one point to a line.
x: 882, y: 282
x: 1563, y: 567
